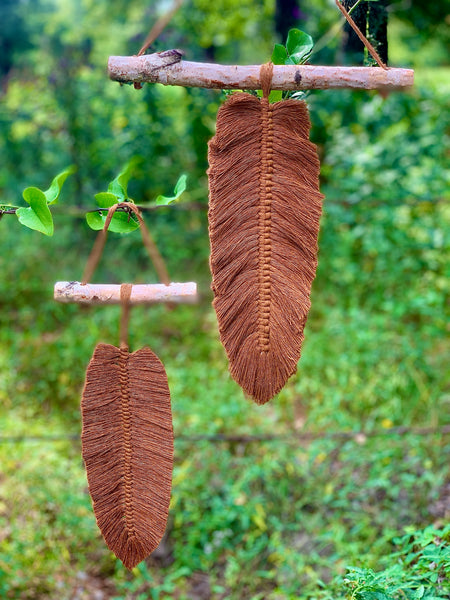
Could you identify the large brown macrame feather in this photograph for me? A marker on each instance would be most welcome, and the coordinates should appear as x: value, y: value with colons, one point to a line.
x: 127, y: 441
x: 264, y: 213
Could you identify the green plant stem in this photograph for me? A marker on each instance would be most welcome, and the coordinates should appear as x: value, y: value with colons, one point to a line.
x: 350, y: 10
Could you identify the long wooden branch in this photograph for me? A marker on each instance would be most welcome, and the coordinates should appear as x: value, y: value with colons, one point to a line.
x: 153, y: 68
x: 100, y: 293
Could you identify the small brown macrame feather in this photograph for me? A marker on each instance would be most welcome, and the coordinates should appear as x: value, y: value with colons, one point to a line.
x: 264, y: 213
x: 127, y: 446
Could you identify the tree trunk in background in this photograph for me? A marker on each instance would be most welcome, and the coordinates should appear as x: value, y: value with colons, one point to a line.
x: 377, y: 27
x: 14, y: 38
x: 287, y: 14
x: 352, y: 45
x: 371, y: 18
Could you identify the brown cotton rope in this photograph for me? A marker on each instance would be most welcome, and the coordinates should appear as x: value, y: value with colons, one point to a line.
x: 264, y: 212
x: 159, y: 26
x: 125, y: 295
x: 147, y: 240
x: 373, y: 53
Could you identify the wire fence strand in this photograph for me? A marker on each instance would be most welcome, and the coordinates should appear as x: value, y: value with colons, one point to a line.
x: 306, y: 436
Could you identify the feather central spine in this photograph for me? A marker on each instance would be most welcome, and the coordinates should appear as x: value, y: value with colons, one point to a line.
x: 126, y: 427
x: 265, y: 207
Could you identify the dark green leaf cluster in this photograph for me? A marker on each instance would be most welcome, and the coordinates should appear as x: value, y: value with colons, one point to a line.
x: 297, y: 50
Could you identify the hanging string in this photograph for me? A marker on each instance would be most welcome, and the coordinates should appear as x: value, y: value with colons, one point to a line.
x: 374, y: 54
x: 147, y: 239
x: 125, y: 295
x: 159, y: 26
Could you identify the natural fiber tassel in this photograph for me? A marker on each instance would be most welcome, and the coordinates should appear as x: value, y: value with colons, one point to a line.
x: 264, y: 213
x: 127, y: 443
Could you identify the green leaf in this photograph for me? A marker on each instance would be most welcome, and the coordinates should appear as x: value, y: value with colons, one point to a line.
x: 180, y: 187
x: 53, y: 192
x: 119, y: 185
x: 106, y: 199
x: 291, y: 61
x: 120, y: 223
x: 95, y: 220
x: 419, y: 593
x: 279, y: 55
x: 275, y: 96
x: 299, y: 45
x: 38, y: 215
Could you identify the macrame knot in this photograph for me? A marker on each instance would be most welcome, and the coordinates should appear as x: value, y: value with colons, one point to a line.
x: 125, y: 411
x: 265, y: 76
x: 265, y: 213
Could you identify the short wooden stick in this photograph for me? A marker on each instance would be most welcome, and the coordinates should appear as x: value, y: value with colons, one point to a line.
x: 154, y: 69
x: 99, y: 293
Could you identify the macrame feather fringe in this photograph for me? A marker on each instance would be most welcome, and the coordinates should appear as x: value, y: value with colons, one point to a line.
x: 264, y: 213
x: 127, y: 446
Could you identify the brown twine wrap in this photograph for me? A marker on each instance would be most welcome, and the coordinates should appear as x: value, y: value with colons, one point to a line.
x: 264, y: 211
x: 265, y: 76
x: 125, y: 295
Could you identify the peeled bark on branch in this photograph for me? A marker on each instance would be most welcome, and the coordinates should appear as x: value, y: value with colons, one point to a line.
x: 152, y: 68
x: 99, y: 293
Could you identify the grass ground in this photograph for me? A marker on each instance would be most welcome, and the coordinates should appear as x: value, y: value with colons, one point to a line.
x: 280, y: 518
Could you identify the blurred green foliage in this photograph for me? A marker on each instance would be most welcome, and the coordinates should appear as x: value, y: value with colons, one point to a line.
x: 330, y: 518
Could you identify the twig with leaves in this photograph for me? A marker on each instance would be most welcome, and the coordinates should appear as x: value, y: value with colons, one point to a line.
x: 39, y: 217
